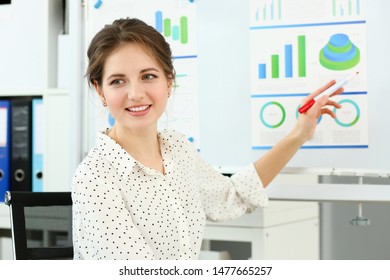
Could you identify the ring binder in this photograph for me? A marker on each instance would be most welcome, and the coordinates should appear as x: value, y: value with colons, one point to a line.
x: 4, y: 147
x: 37, y: 144
x: 21, y: 144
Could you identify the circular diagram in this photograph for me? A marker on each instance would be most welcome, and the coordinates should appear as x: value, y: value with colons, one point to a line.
x: 272, y: 114
x: 297, y: 114
x: 348, y: 115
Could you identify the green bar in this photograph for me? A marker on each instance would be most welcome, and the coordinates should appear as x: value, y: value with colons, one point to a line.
x: 280, y: 9
x: 301, y: 56
x: 183, y: 30
x: 334, y: 7
x: 264, y: 14
x: 349, y: 7
x: 167, y: 27
x: 275, y: 65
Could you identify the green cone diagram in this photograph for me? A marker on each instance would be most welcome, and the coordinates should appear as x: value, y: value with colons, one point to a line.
x: 339, y: 53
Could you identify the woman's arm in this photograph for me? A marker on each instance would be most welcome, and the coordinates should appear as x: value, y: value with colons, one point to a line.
x: 270, y: 164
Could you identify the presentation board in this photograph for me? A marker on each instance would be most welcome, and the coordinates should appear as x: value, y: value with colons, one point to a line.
x: 222, y: 104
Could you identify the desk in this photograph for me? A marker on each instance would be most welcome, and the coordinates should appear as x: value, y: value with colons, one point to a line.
x: 330, y: 192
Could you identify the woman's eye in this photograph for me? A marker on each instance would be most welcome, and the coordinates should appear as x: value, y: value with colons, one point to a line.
x: 116, y: 82
x: 149, y: 77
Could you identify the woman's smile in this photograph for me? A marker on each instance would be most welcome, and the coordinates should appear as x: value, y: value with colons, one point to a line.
x: 139, y: 110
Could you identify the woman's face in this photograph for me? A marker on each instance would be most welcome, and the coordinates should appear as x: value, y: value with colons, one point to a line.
x: 134, y: 87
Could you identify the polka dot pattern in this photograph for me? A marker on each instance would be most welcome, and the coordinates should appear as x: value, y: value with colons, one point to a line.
x: 124, y: 210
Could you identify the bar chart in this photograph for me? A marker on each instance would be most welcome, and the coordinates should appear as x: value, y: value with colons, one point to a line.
x: 287, y: 63
x: 178, y: 32
x: 345, y: 7
x: 268, y: 10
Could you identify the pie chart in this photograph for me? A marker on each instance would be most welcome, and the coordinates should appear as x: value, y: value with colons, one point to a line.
x: 339, y: 53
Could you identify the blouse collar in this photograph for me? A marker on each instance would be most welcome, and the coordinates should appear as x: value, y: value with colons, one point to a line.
x: 123, y: 162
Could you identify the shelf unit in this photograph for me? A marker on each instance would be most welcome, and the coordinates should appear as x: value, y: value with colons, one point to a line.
x: 56, y: 173
x: 42, y: 55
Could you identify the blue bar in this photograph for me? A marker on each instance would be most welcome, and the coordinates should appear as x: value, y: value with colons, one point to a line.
x: 307, y: 24
x: 288, y: 60
x: 262, y: 71
x: 175, y: 32
x: 185, y: 56
x: 159, y: 21
x: 98, y: 4
x: 256, y: 95
x: 317, y: 147
x: 358, y: 7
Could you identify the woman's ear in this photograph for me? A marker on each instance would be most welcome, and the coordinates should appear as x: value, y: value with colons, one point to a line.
x: 99, y: 91
x: 170, y: 84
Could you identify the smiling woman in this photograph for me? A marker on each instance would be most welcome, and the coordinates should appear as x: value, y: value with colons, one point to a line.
x: 136, y: 96
x: 141, y: 193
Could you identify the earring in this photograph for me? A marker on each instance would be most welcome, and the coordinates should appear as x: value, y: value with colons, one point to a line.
x: 169, y: 94
x: 104, y: 104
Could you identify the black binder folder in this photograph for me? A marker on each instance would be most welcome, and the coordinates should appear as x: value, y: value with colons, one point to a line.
x: 21, y: 138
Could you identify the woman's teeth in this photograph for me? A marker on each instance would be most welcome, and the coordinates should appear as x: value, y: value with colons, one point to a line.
x: 137, y: 109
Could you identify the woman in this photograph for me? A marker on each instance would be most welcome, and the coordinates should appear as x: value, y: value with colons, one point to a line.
x: 145, y: 194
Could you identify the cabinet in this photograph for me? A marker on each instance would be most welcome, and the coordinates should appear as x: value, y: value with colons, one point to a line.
x: 28, y: 32
x: 40, y: 53
x: 29, y: 56
x: 56, y: 173
x: 284, y: 230
x: 56, y: 151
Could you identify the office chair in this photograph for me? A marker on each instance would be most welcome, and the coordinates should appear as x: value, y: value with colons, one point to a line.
x: 41, y: 225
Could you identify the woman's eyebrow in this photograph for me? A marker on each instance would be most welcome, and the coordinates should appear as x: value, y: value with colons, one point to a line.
x: 115, y: 76
x: 149, y: 69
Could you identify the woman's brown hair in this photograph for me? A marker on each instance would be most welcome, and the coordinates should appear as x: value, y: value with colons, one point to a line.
x: 123, y: 31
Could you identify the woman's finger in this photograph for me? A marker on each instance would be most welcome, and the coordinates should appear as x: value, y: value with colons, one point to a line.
x: 318, y: 91
x: 327, y: 111
x: 339, y: 91
x: 333, y: 103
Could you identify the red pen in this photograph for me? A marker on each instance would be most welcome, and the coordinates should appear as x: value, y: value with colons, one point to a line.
x: 329, y: 91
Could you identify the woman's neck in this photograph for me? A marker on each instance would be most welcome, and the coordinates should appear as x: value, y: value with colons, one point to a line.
x: 143, y: 146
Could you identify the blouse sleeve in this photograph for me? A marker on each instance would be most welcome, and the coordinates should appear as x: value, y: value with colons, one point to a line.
x: 101, y: 232
x: 226, y: 198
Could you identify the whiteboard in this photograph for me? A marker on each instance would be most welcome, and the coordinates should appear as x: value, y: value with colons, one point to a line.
x: 224, y: 78
x: 224, y: 90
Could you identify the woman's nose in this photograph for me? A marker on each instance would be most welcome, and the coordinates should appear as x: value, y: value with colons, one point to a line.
x: 135, y: 92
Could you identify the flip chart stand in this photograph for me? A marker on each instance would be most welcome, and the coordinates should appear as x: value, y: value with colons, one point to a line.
x: 360, y: 220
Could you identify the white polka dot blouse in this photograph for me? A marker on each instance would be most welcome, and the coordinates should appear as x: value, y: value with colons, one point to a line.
x: 124, y: 210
